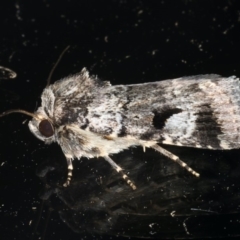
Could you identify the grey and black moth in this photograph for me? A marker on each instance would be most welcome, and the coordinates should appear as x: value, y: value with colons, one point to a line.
x: 91, y: 118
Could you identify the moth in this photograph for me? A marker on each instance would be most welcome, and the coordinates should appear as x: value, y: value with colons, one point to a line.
x: 91, y: 118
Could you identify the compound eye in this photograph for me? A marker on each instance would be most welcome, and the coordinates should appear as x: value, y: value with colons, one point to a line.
x: 45, y: 128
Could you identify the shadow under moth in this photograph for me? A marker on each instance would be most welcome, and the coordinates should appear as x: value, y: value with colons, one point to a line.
x: 91, y: 118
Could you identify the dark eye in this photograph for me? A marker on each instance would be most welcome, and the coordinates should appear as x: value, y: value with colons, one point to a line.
x: 46, y: 128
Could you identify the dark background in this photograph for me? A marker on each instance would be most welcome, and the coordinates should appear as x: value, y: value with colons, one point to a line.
x: 124, y: 42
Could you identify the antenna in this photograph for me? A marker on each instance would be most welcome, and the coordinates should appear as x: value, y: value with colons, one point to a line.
x: 19, y: 111
x: 55, y: 65
x: 48, y: 82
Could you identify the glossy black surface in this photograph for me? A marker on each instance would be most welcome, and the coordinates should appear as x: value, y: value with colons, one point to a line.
x: 124, y: 42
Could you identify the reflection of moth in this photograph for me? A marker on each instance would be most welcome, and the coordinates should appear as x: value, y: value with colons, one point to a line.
x: 90, y: 118
x: 165, y: 204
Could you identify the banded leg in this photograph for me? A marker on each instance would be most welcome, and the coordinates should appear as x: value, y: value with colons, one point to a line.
x: 120, y: 170
x: 69, y: 175
x: 175, y: 159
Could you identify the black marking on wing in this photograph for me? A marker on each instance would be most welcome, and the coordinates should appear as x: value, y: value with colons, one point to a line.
x: 147, y: 135
x: 128, y: 98
x: 207, y: 127
x: 122, y: 131
x: 160, y: 117
x: 85, y: 125
x: 73, y: 110
x: 72, y: 115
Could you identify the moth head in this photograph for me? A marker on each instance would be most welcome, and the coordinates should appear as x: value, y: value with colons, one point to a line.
x: 42, y: 128
x: 40, y: 125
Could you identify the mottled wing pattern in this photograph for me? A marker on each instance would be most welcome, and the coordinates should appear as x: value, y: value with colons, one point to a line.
x: 199, y: 111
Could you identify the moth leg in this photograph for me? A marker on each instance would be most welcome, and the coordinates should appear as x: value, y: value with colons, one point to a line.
x: 69, y: 175
x: 175, y: 159
x: 120, y: 170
